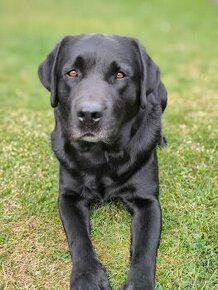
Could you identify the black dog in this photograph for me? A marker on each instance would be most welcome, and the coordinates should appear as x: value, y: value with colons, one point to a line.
x: 108, y: 100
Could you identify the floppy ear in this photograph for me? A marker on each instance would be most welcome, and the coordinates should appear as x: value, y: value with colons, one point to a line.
x: 150, y: 81
x: 47, y: 73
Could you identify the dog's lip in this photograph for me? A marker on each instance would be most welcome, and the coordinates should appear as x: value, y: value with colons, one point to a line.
x: 100, y: 135
x: 88, y: 135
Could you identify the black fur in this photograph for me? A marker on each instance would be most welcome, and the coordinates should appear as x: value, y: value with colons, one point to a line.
x: 106, y: 134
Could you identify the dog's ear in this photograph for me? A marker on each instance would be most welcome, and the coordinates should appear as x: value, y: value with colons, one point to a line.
x: 47, y: 72
x: 151, y: 85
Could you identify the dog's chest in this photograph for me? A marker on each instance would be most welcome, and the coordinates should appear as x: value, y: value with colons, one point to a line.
x: 99, y: 175
x: 98, y: 186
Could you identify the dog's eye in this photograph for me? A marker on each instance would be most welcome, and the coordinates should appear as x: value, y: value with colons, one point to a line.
x: 120, y: 75
x: 72, y: 73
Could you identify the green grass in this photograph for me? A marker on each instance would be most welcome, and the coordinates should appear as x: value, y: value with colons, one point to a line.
x: 182, y: 38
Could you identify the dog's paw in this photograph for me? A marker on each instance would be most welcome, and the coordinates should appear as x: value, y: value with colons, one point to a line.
x: 128, y: 286
x: 137, y: 286
x: 89, y: 279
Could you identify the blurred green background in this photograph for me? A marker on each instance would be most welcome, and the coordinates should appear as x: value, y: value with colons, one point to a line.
x: 182, y: 37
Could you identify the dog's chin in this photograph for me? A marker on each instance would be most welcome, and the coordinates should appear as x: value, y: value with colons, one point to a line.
x: 90, y: 138
x: 102, y: 137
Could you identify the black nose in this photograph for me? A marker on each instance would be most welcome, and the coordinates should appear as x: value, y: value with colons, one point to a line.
x: 90, y: 112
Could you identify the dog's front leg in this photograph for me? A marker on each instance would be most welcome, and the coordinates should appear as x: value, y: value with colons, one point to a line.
x: 145, y: 230
x: 87, y: 273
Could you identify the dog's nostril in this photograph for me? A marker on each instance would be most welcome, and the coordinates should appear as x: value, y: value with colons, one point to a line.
x: 90, y: 112
x: 81, y: 115
x: 87, y: 116
x: 96, y: 116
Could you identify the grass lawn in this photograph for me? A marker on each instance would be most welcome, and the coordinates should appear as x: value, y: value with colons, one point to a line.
x: 182, y: 37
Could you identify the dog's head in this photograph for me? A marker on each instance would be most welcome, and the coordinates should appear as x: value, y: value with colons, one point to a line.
x: 98, y: 83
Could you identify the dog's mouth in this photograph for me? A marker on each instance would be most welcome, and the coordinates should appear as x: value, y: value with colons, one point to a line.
x: 90, y: 137
x: 104, y: 135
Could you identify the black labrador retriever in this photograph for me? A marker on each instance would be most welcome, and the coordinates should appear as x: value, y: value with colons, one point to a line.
x: 108, y: 100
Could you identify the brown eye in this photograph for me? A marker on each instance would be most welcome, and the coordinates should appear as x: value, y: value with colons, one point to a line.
x: 73, y: 73
x: 120, y: 75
